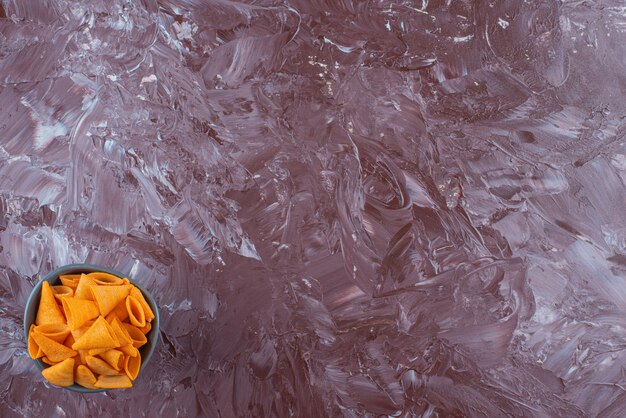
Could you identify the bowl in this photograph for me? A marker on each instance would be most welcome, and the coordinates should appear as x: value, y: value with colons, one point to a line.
x: 32, y: 305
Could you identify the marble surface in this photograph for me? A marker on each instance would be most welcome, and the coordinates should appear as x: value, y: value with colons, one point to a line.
x: 343, y: 208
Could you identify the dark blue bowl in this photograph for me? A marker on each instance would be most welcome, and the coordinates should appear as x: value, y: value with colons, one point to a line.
x: 30, y: 313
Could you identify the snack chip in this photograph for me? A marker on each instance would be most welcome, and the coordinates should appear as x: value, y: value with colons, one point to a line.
x: 48, y: 361
x: 82, y: 355
x: 33, y: 349
x: 136, y: 293
x: 114, y: 382
x: 99, y: 335
x: 108, y: 297
x: 54, y: 351
x: 49, y: 311
x: 70, y: 280
x: 62, y: 292
x: 84, y: 377
x: 120, y: 332
x: 61, y: 374
x: 97, y: 351
x: 119, y: 311
x: 79, y: 311
x: 132, y: 366
x: 106, y: 279
x: 69, y: 341
x: 129, y: 350
x: 146, y: 329
x: 135, y: 312
x: 136, y: 335
x: 89, y: 330
x: 56, y: 332
x: 77, y: 333
x: 83, y: 290
x: 115, y: 359
x: 100, y: 366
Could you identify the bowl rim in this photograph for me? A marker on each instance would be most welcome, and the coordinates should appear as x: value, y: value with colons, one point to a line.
x: 53, y: 277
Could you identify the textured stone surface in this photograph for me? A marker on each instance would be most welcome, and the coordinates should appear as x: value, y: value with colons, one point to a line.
x: 344, y: 208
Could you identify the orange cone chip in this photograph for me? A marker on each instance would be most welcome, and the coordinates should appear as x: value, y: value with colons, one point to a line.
x: 83, y: 290
x: 96, y: 351
x: 108, y: 297
x: 135, y: 312
x: 129, y: 350
x: 132, y: 366
x: 119, y: 311
x: 99, y: 335
x: 146, y: 329
x: 48, y: 312
x: 77, y: 333
x: 84, y: 377
x: 99, y: 366
x: 137, y: 336
x: 136, y: 293
x: 56, y: 332
x: 79, y: 311
x: 61, y: 292
x: 78, y: 360
x: 82, y: 355
x: 114, y: 358
x: 70, y: 280
x: 48, y: 361
x: 114, y: 382
x: 106, y: 279
x: 120, y: 332
x: 53, y: 350
x: 69, y: 341
x: 33, y: 348
x: 61, y: 374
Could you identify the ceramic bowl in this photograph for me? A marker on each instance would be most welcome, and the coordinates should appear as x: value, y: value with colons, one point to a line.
x: 30, y: 312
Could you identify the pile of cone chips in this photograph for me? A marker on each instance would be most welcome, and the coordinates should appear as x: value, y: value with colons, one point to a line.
x: 89, y: 330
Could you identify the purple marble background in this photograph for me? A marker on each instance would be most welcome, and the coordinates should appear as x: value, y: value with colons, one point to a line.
x: 344, y: 208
